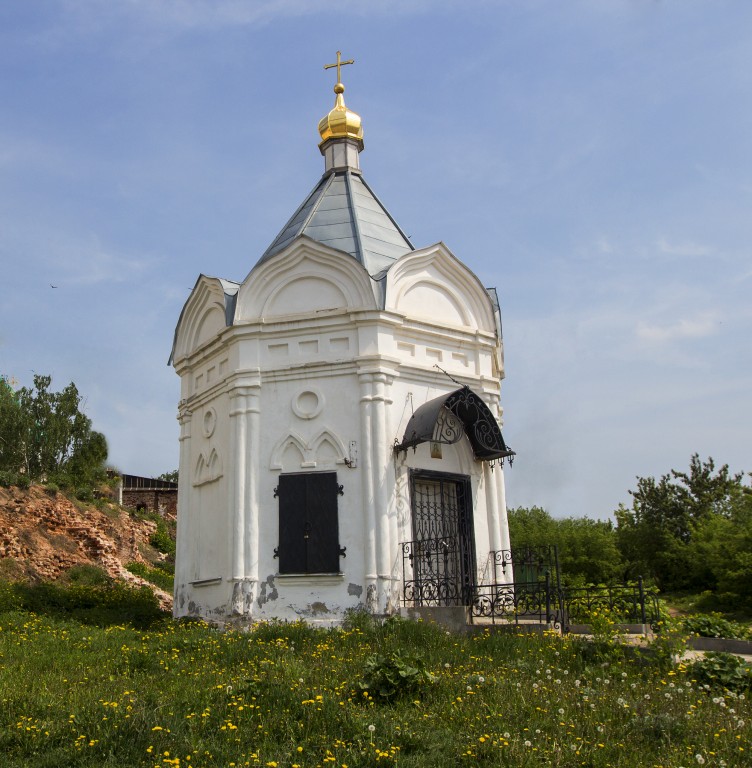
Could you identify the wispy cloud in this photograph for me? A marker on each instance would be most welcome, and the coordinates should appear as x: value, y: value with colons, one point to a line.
x: 53, y: 256
x: 189, y: 14
x: 92, y: 263
x: 701, y: 326
x: 686, y: 248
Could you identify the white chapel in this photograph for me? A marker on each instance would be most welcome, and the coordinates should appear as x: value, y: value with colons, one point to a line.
x: 340, y: 441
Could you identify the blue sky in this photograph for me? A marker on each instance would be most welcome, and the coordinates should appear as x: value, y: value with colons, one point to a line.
x: 591, y: 159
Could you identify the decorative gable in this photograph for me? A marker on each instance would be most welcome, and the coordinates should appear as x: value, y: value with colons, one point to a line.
x: 205, y: 315
x: 304, y: 278
x: 432, y: 284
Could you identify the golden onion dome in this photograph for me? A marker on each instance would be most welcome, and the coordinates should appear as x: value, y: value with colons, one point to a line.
x: 341, y: 122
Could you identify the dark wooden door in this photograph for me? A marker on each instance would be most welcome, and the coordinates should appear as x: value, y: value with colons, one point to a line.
x: 308, y: 523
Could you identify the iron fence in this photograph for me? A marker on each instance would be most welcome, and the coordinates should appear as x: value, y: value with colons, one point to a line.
x: 525, y: 588
x: 621, y: 603
x: 530, y: 602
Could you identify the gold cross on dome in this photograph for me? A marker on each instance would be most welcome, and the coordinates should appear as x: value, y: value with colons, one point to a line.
x: 339, y: 64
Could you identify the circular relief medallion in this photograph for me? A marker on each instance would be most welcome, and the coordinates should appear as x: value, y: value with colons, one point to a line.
x: 308, y: 404
x: 210, y: 422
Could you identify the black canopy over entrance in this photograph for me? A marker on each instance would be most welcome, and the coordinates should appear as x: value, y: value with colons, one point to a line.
x: 446, y: 418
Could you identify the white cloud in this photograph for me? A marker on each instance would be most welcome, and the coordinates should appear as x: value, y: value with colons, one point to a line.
x: 92, y: 264
x: 687, y: 248
x: 53, y: 256
x: 705, y: 324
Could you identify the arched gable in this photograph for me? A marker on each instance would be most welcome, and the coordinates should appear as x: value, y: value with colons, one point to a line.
x: 432, y: 284
x: 205, y: 315
x: 304, y: 278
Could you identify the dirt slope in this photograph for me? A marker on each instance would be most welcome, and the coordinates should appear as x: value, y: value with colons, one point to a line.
x: 43, y: 535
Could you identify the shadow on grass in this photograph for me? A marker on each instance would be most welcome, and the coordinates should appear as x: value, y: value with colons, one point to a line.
x: 100, y: 605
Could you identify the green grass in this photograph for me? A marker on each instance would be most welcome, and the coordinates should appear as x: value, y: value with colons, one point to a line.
x: 158, y: 576
x: 184, y: 693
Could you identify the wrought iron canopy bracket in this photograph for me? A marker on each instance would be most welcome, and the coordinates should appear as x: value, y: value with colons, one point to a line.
x: 445, y: 419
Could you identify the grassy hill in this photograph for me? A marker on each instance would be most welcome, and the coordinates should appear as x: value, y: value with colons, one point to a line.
x: 402, y: 693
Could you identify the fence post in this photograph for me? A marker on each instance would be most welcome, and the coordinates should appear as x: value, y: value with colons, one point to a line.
x: 642, y: 600
x: 548, y: 597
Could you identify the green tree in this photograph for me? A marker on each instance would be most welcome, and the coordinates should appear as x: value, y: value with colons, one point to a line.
x: 11, y: 421
x: 661, y: 534
x: 587, y: 548
x: 170, y: 477
x: 722, y: 544
x: 45, y: 434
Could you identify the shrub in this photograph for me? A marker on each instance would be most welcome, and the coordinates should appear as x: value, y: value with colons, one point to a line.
x: 99, y: 605
x: 7, y: 478
x: 157, y: 576
x: 18, y: 479
x: 668, y: 644
x: 722, y: 670
x: 88, y: 575
x: 161, y: 539
x: 714, y: 625
x: 393, y: 675
x: 84, y: 494
x: 61, y: 479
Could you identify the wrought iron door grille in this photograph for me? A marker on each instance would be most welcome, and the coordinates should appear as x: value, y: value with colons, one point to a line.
x: 439, y: 564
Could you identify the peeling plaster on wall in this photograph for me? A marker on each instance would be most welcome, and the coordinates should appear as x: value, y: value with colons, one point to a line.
x: 371, y: 598
x: 319, y: 607
x: 242, y: 598
x: 355, y: 590
x: 273, y: 594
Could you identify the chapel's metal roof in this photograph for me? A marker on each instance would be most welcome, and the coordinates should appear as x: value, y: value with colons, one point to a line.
x: 343, y: 212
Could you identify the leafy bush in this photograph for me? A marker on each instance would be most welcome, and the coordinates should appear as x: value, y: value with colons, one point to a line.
x: 157, y: 576
x: 18, y: 479
x: 393, y: 675
x: 88, y: 575
x: 161, y: 539
x: 715, y: 625
x: 359, y: 619
x: 722, y: 670
x: 61, y: 479
x: 668, y: 644
x: 99, y: 605
x: 7, y: 478
x: 84, y: 494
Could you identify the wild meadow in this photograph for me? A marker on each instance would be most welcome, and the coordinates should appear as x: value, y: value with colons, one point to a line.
x: 77, y: 689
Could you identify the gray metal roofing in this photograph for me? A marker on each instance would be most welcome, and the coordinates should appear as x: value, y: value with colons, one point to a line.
x: 343, y: 212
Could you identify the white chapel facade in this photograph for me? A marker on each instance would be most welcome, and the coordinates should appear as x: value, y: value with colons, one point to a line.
x: 339, y: 413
